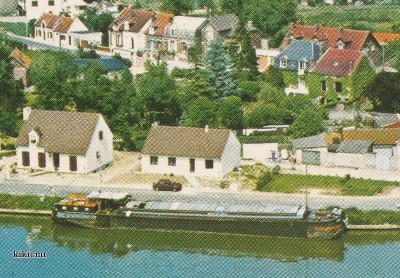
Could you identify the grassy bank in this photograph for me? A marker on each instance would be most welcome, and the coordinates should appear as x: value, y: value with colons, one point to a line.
x: 18, y: 28
x: 8, y: 201
x: 290, y: 183
x: 7, y: 153
x: 372, y: 217
x: 379, y: 18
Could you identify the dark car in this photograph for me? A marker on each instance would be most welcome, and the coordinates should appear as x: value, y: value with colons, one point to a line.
x: 167, y: 184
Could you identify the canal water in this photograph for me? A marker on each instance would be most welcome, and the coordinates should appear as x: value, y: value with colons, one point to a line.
x: 80, y: 252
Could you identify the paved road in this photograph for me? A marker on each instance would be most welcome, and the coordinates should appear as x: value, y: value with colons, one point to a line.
x: 198, y: 195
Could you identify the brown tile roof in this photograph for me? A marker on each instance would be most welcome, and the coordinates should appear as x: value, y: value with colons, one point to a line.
x: 49, y: 19
x: 393, y: 125
x: 21, y: 58
x: 380, y: 136
x: 136, y: 18
x: 185, y: 141
x: 63, y: 24
x: 61, y: 131
x: 386, y: 37
x: 353, y: 38
x: 162, y: 20
x: 338, y: 62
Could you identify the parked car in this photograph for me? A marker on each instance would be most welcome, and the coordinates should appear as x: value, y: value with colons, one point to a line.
x: 167, y: 184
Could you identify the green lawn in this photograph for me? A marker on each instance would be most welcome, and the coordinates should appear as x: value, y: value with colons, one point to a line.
x: 18, y: 28
x: 288, y: 183
x: 375, y: 18
x: 33, y: 202
x: 372, y: 217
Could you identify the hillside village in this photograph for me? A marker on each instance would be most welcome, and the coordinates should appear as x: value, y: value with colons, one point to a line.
x: 197, y: 95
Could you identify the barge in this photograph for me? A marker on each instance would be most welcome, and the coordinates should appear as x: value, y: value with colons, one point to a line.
x: 118, y: 210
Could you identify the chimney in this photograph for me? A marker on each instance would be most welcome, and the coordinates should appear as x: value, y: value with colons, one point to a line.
x: 26, y: 112
x: 206, y: 129
x: 126, y: 25
x: 340, y: 32
x: 316, y: 29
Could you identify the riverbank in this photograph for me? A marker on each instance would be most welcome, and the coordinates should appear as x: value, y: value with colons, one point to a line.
x: 357, y: 219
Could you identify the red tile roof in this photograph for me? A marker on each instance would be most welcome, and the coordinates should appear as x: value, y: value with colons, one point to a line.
x: 63, y: 24
x: 386, y: 37
x: 353, y: 39
x: 136, y: 18
x: 338, y: 62
x: 162, y: 20
x: 21, y: 58
x: 49, y: 19
x: 393, y: 125
x: 380, y: 136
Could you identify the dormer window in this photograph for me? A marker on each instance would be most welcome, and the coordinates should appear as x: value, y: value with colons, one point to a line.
x: 283, y: 63
x: 172, y: 32
x: 33, y: 137
x: 340, y: 45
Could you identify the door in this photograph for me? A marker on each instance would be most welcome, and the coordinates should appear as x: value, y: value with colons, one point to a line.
x: 56, y: 160
x: 311, y: 157
x: 25, y: 159
x: 192, y: 165
x: 42, y: 160
x: 73, y: 163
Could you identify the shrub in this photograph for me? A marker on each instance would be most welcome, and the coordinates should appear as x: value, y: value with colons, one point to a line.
x: 345, y: 179
x: 224, y: 184
x: 264, y: 180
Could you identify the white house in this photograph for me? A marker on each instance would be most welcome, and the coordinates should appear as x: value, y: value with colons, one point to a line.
x: 34, y: 8
x: 127, y: 32
x: 204, y: 152
x: 64, y: 141
x: 64, y: 32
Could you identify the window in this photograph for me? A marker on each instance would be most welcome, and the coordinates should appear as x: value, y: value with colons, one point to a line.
x: 338, y: 87
x: 209, y: 164
x: 34, y: 3
x: 100, y: 135
x: 42, y: 160
x: 302, y: 65
x: 323, y: 85
x: 154, y: 160
x: 132, y: 43
x: 171, y: 161
x: 97, y: 154
x: 25, y: 159
x: 51, y: 2
x: 283, y: 63
x: 172, y: 32
x: 69, y: 40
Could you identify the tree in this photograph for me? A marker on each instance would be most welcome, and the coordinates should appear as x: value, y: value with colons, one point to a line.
x: 12, y: 98
x: 384, y: 92
x: 97, y: 22
x: 264, y: 114
x: 159, y: 94
x: 195, y: 52
x: 243, y: 55
x: 308, y: 122
x: 217, y: 70
x: 270, y: 15
x: 231, y: 113
x: 201, y: 112
x: 232, y: 6
x: 31, y: 26
x: 392, y: 53
x: 177, y: 7
x: 249, y: 90
x: 274, y: 77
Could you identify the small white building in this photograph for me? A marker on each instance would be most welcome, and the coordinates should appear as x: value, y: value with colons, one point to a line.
x: 64, y: 32
x: 34, y: 8
x: 204, y: 152
x: 64, y: 141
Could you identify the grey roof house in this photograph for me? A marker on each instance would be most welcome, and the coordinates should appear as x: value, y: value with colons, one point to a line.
x: 298, y: 55
x: 190, y: 151
x: 63, y: 141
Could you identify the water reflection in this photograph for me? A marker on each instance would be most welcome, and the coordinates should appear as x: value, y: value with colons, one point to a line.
x: 119, y: 243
